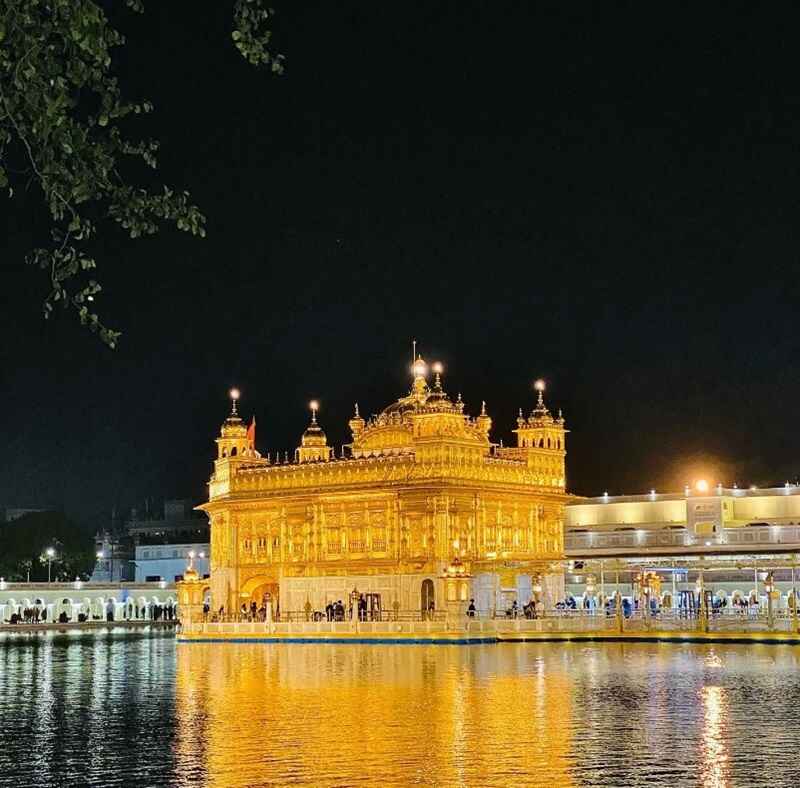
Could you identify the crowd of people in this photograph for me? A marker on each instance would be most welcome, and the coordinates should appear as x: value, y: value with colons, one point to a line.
x: 150, y: 611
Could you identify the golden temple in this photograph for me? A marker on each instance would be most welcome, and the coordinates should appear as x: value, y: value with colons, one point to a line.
x: 421, y: 488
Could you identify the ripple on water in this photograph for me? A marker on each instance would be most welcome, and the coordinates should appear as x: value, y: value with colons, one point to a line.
x: 112, y: 710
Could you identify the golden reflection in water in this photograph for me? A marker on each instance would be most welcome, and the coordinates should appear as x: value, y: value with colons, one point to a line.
x: 714, y: 748
x: 253, y: 714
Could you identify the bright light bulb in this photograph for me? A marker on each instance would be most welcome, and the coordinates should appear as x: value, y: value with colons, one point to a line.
x: 314, y: 405
x: 420, y: 368
x: 539, y: 385
x: 437, y: 367
x: 701, y: 485
x: 234, y: 394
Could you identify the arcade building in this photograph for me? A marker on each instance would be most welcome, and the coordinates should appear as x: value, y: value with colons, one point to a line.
x: 421, y: 493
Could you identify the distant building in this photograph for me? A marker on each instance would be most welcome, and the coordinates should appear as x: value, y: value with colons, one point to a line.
x: 179, y: 524
x: 168, y: 561
x: 725, y: 539
x: 163, y: 543
x: 152, y: 546
x: 706, y: 521
x: 114, y: 551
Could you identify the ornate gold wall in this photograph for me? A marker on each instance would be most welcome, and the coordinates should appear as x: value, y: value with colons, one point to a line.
x: 420, y: 484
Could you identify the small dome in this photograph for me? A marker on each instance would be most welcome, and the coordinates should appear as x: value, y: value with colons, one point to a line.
x: 233, y: 427
x: 314, y: 436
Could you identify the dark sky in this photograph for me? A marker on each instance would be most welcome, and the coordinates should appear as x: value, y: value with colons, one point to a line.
x: 603, y: 195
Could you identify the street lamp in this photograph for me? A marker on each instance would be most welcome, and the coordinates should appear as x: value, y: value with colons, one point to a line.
x: 50, y: 553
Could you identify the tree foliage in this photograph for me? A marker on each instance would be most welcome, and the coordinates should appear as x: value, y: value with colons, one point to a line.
x: 24, y: 541
x: 65, y: 131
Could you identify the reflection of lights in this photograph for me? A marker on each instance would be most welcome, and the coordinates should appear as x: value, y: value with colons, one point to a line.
x: 715, y: 761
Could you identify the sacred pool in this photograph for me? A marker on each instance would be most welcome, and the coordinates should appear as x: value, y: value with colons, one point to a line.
x: 114, y: 709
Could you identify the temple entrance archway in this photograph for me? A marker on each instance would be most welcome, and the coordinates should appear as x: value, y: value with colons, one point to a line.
x: 427, y: 601
x: 259, y: 590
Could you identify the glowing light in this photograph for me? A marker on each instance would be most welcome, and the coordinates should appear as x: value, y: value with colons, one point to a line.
x: 314, y: 405
x: 191, y: 553
x: 701, y: 485
x: 437, y: 367
x: 714, y: 768
x: 420, y: 368
x: 50, y: 552
x: 234, y: 394
x: 201, y: 555
x: 539, y: 384
x: 100, y: 555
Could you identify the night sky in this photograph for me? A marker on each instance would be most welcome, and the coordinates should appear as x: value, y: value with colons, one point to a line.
x: 603, y: 196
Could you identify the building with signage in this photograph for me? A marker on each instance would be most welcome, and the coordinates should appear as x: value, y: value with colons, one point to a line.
x: 734, y: 536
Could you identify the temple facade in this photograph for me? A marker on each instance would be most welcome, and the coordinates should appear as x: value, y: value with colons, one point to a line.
x: 420, y: 495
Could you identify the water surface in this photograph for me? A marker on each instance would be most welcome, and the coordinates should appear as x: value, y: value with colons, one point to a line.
x: 109, y: 710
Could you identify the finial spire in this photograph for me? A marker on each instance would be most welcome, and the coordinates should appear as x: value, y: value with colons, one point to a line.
x: 357, y: 414
x: 539, y: 385
x: 314, y: 405
x: 234, y: 395
x: 483, y: 407
x: 437, y: 369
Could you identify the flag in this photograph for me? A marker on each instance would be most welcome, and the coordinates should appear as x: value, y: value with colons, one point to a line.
x: 251, y: 433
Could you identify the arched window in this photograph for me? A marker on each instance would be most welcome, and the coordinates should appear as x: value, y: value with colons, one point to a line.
x: 224, y: 452
x: 233, y: 451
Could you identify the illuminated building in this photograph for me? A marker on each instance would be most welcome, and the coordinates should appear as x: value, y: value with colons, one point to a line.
x: 697, y: 520
x: 732, y: 536
x: 420, y: 485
